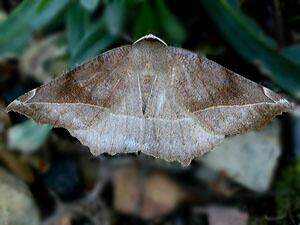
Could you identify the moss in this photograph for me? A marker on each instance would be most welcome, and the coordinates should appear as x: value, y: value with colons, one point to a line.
x: 288, y: 189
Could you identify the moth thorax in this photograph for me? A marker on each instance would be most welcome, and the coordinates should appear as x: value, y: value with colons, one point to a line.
x: 147, y: 82
x: 151, y: 38
x: 146, y: 85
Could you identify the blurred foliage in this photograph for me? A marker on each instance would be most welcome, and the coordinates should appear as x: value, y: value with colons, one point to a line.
x: 89, y: 27
x: 48, y: 35
x: 288, y: 188
x: 27, y: 136
x: 88, y: 33
x: 282, y: 65
x: 93, y: 26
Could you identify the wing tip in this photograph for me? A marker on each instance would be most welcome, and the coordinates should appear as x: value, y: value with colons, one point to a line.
x: 278, y: 99
x: 13, y: 106
x: 20, y: 101
x: 21, y: 107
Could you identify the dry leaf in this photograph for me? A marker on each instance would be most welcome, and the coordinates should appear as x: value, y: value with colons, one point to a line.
x: 17, y: 166
x: 149, y: 196
x: 44, y: 58
x: 4, y: 124
x: 163, y: 101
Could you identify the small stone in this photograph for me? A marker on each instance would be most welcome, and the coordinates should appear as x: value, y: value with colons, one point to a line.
x: 219, y: 215
x: 17, y: 206
x: 149, y: 196
x: 248, y: 159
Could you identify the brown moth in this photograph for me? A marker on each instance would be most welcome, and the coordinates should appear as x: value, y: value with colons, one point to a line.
x: 163, y: 101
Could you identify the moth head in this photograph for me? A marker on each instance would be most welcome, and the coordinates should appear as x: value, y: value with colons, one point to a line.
x: 150, y: 37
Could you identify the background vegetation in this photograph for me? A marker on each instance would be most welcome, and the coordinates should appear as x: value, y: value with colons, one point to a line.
x: 259, y: 39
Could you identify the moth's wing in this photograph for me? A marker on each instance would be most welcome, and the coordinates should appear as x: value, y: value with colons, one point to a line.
x: 98, y: 103
x: 77, y: 99
x: 222, y: 101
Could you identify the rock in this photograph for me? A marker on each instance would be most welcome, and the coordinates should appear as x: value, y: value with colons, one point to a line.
x: 248, y: 159
x: 219, y: 215
x: 16, y: 203
x: 148, y: 196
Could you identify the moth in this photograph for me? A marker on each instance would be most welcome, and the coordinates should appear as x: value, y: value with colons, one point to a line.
x: 166, y: 102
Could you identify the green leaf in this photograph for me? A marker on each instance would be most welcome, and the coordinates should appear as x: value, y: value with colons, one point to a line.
x: 42, y: 4
x: 292, y: 52
x: 114, y: 16
x: 250, y: 42
x: 294, y: 19
x: 96, y: 48
x: 18, y: 17
x: 30, y: 15
x: 14, y: 45
x: 145, y: 22
x: 47, y: 12
x: 234, y: 3
x: 94, y: 42
x: 173, y: 28
x: 28, y: 136
x: 76, y: 22
x: 15, y: 32
x: 89, y: 5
